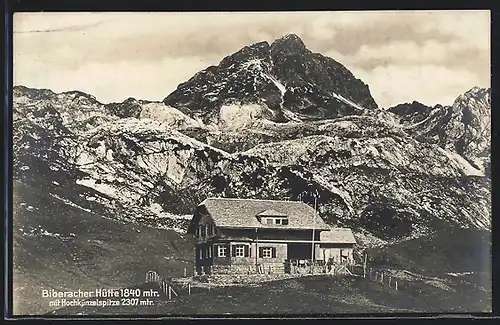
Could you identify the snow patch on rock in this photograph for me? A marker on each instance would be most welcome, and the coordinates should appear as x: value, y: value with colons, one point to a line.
x: 68, y: 202
x: 460, y: 162
x: 100, y: 187
x: 158, y: 210
x: 236, y: 116
x: 347, y: 101
x: 167, y: 114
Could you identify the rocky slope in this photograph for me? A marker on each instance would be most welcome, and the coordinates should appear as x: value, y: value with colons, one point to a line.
x: 270, y: 121
x: 389, y: 184
x: 464, y: 127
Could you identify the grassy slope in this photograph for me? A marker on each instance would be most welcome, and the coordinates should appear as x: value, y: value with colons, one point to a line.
x: 307, y: 295
x: 102, y: 254
x: 449, y: 251
x: 452, y: 250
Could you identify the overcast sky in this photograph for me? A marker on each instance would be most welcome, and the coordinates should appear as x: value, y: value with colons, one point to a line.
x: 430, y: 57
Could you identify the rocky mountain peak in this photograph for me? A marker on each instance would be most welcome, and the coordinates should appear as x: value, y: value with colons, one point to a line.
x: 281, y: 82
x: 77, y: 93
x: 478, y: 91
x: 474, y: 96
x: 20, y: 91
x: 290, y: 43
x: 411, y: 109
x: 464, y: 127
x: 130, y: 107
x: 254, y: 51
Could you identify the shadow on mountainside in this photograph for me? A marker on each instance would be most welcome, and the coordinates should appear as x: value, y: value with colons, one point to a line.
x: 62, y: 247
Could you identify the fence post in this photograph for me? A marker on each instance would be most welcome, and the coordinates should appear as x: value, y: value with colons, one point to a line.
x: 169, y: 293
x: 382, y: 277
x: 185, y: 272
x: 364, y: 267
x: 396, y: 284
x: 173, y: 291
x: 189, y: 288
x: 390, y: 280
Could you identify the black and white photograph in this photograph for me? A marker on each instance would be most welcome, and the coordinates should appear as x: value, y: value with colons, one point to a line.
x: 190, y: 164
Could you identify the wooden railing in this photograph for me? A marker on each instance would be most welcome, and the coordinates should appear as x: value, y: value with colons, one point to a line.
x: 304, y: 266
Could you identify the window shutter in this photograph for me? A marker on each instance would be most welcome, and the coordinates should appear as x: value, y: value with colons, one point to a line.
x: 233, y: 251
x: 249, y: 251
x: 285, y: 222
x: 274, y: 252
x: 216, y: 251
x: 246, y: 251
x: 261, y: 250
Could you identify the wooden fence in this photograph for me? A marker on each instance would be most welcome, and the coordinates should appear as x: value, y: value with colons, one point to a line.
x: 165, y: 286
x: 378, y: 275
x: 389, y: 279
x: 383, y: 277
x: 401, y: 280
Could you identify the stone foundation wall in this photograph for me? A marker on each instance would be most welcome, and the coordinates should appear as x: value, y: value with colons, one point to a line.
x: 232, y: 269
x: 266, y: 268
x: 307, y: 269
x: 273, y: 268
